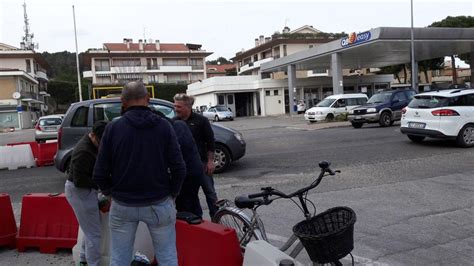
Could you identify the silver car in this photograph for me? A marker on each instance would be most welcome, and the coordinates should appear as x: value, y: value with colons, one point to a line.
x: 47, y: 127
x: 218, y: 113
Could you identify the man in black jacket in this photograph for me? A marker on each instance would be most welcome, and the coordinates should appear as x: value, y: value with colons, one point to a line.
x: 204, y: 138
x: 81, y: 193
x: 141, y: 167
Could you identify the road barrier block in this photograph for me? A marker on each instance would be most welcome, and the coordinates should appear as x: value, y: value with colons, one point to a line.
x: 7, y: 222
x: 207, y: 244
x: 46, y: 152
x: 16, y: 156
x: 47, y: 222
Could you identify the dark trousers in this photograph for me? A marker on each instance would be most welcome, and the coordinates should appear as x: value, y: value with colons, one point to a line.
x: 207, y: 184
x: 188, y: 198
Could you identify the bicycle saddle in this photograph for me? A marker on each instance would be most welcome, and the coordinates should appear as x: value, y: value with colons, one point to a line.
x: 244, y: 202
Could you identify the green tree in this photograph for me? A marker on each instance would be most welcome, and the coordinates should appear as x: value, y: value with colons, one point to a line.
x: 395, y: 70
x: 432, y: 64
x: 456, y: 22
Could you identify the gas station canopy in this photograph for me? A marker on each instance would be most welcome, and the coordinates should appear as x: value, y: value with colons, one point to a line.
x: 379, y: 47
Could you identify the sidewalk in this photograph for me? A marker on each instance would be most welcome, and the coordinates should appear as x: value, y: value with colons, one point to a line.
x: 284, y: 121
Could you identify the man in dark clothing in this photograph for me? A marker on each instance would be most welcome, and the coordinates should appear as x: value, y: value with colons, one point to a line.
x: 204, y: 138
x: 140, y: 165
x: 188, y: 198
x: 81, y: 193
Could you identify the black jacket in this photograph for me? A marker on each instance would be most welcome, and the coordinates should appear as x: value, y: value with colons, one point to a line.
x: 82, y: 163
x: 202, y: 134
x: 139, y: 160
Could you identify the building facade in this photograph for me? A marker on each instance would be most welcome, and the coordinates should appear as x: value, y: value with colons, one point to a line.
x: 220, y: 70
x: 23, y: 87
x: 252, y: 93
x: 117, y: 63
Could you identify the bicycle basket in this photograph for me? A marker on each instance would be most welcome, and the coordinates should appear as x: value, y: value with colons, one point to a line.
x: 328, y: 236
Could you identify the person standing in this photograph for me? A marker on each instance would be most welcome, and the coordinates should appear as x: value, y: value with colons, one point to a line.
x: 141, y: 167
x: 204, y: 138
x: 81, y: 193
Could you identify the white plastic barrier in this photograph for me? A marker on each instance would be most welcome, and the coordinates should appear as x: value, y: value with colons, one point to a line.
x: 13, y: 157
x: 143, y: 242
x: 261, y: 253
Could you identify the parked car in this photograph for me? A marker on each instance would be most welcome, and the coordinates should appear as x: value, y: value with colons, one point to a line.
x: 218, y: 113
x: 447, y: 114
x: 46, y: 127
x: 384, y: 107
x: 230, y: 145
x: 334, y: 105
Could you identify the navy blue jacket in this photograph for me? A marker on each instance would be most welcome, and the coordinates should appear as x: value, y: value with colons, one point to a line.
x: 135, y: 154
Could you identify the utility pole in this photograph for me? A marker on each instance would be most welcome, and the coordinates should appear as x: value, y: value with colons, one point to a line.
x: 77, y: 55
x: 414, y: 68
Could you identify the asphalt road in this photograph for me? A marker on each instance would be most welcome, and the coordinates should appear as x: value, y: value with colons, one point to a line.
x: 414, y: 202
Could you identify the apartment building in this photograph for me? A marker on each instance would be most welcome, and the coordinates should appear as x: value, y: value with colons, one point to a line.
x: 152, y: 62
x: 23, y: 86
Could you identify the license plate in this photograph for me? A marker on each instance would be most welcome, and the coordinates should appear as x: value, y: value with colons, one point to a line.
x: 416, y: 125
x: 358, y: 117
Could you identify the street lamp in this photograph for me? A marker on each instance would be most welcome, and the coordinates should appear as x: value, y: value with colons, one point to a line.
x: 414, y: 69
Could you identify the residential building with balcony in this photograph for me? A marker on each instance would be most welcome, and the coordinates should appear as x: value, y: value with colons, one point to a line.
x: 151, y: 62
x: 23, y: 87
x: 220, y: 70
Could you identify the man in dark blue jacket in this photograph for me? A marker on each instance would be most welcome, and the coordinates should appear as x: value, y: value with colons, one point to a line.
x: 140, y: 166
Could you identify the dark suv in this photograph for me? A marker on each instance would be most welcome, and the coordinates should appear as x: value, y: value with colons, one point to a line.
x: 230, y: 146
x: 384, y: 107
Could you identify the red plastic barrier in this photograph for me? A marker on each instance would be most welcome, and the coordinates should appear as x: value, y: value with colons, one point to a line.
x: 7, y: 222
x: 33, y: 145
x: 46, y: 152
x: 207, y: 244
x: 47, y: 222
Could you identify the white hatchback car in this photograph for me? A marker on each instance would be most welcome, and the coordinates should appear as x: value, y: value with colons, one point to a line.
x: 445, y: 114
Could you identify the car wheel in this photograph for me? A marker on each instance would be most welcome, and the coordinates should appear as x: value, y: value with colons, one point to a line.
x: 222, y: 158
x: 357, y: 124
x: 216, y: 118
x: 466, y: 136
x: 385, y: 119
x: 330, y: 117
x: 416, y: 139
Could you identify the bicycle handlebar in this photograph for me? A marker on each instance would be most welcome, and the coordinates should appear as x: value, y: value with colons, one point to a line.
x: 269, y: 191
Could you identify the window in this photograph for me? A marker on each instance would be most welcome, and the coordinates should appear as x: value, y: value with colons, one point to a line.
x: 102, y: 65
x: 175, y: 62
x: 107, y: 111
x: 469, y: 99
x: 275, y: 92
x: 230, y: 99
x: 167, y: 111
x: 28, y: 65
x: 80, y: 117
x: 221, y: 99
x: 410, y: 94
x: 284, y: 49
x: 255, y: 58
x: 103, y: 80
x: 400, y: 96
x: 152, y: 63
x: 267, y: 93
x: 50, y: 122
x: 176, y: 78
x: 361, y: 101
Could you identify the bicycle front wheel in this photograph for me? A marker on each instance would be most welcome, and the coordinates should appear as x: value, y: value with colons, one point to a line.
x: 240, y: 222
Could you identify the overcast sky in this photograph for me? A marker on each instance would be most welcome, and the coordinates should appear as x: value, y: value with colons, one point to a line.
x: 222, y: 27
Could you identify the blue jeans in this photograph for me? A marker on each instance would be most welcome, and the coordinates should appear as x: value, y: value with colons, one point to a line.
x: 160, y: 220
x: 84, y: 202
x: 207, y: 184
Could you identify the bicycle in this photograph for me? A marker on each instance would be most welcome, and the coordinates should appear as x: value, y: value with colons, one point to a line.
x: 323, y: 247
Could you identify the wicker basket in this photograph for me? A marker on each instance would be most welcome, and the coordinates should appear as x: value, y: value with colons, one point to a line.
x: 328, y: 236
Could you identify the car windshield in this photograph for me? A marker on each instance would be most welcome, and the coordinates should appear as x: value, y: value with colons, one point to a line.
x: 221, y: 109
x: 325, y: 103
x: 381, y: 97
x: 50, y: 122
x: 428, y: 101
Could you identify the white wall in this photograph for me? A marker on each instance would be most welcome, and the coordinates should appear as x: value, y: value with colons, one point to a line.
x: 294, y: 48
x: 16, y: 63
x: 205, y: 99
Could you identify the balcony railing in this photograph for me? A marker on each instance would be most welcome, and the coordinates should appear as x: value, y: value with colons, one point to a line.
x: 197, y: 67
x: 254, y: 65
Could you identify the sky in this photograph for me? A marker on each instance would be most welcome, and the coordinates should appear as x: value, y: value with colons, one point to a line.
x: 222, y: 27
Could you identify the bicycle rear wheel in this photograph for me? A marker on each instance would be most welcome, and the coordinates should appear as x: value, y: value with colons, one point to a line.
x: 237, y: 220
